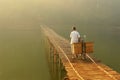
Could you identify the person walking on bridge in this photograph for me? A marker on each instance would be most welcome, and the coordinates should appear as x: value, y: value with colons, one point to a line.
x: 75, y: 38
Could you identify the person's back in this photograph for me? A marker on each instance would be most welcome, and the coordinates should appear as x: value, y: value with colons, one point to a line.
x: 75, y: 36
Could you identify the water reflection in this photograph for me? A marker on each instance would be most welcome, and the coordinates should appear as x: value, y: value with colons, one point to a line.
x: 22, y: 56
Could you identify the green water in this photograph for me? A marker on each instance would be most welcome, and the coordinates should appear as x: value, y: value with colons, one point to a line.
x: 22, y: 55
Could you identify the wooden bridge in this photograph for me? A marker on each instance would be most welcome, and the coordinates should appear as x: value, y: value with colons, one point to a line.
x: 79, y: 69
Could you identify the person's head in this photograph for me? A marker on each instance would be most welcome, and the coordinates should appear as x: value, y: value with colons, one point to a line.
x: 74, y: 28
x: 66, y: 78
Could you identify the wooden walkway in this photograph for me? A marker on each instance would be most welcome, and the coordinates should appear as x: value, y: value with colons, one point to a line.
x: 78, y: 70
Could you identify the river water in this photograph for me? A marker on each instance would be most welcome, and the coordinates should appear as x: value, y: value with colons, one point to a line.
x: 22, y: 56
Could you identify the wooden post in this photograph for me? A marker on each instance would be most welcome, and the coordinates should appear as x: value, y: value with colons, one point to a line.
x: 50, y: 53
x: 59, y: 67
x: 55, y: 60
x: 52, y: 61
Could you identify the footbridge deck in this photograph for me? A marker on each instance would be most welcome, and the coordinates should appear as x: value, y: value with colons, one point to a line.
x: 79, y: 69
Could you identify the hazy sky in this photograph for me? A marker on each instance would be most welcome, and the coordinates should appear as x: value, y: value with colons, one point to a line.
x: 34, y: 12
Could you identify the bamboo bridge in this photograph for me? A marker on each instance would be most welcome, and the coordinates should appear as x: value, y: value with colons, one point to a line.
x: 79, y: 69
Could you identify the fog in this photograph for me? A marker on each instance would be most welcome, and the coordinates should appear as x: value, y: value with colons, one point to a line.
x: 26, y: 13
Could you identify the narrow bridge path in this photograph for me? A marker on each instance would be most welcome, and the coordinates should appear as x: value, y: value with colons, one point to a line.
x: 79, y: 69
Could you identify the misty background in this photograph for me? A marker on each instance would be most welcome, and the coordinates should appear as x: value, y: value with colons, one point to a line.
x: 18, y: 13
x: 21, y: 53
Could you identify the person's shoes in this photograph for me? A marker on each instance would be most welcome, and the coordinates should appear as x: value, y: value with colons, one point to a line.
x: 73, y: 57
x: 73, y: 60
x: 80, y: 55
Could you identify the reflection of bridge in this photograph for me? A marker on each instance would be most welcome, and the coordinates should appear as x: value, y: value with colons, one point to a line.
x: 79, y: 69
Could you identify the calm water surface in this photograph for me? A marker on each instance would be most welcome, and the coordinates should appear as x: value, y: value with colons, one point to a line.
x: 22, y: 55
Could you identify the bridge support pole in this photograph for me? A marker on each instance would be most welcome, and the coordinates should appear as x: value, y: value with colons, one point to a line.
x: 59, y: 68
x: 51, y: 55
x: 55, y: 64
